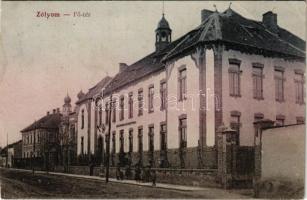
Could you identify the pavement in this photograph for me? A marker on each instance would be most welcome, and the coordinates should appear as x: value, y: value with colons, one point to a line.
x: 131, y: 182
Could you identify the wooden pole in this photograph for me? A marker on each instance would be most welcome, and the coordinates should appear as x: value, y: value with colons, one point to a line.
x: 108, y: 141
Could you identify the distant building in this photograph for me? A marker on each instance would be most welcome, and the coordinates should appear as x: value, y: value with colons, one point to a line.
x: 41, y: 139
x: 68, y: 134
x: 10, y: 153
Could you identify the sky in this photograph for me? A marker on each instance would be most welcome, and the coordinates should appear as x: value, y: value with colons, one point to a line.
x: 41, y: 60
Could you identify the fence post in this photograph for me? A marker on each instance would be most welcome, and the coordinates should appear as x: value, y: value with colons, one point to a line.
x: 226, y: 155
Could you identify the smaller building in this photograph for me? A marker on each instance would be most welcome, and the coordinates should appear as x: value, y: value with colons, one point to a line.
x: 40, y: 140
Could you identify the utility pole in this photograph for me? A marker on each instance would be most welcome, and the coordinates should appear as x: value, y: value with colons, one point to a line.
x: 7, y: 149
x: 108, y: 141
x: 33, y: 155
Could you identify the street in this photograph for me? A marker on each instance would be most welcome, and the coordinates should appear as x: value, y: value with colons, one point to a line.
x: 22, y: 184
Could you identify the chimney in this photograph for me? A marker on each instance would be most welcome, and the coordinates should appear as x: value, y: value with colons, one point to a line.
x: 205, y: 14
x: 58, y: 110
x: 269, y: 19
x: 48, y: 113
x: 122, y: 67
x: 53, y: 111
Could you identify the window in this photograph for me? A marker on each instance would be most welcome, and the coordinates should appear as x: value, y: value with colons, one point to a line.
x: 114, y: 111
x: 140, y: 99
x: 82, y: 119
x: 182, y: 83
x: 130, y: 101
x: 163, y: 94
x: 299, y: 88
x: 121, y: 106
x: 31, y: 141
x: 113, y: 143
x: 235, y: 124
x: 107, y: 113
x: 234, y: 77
x: 100, y: 115
x: 300, y: 120
x: 258, y: 116
x: 182, y: 132
x: 151, y: 98
x: 82, y: 145
x: 258, y: 80
x: 121, y: 140
x: 280, y: 120
x: 279, y: 84
x: 130, y: 140
x: 140, y: 139
x: 163, y: 137
x: 151, y: 138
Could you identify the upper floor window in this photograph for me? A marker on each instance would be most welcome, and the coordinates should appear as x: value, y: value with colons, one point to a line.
x: 182, y: 83
x: 151, y: 98
x: 258, y: 80
x: 140, y: 102
x: 121, y: 106
x: 299, y: 87
x: 258, y: 116
x: 279, y: 84
x: 130, y: 101
x: 234, y: 77
x: 163, y: 94
x: 183, y: 132
x: 114, y: 111
x: 82, y: 119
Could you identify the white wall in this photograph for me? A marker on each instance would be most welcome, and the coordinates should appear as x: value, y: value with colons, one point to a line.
x: 283, y: 153
x: 82, y: 132
x: 247, y: 105
x: 145, y: 120
x: 190, y: 106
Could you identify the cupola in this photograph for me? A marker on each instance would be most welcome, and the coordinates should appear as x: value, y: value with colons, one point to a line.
x: 163, y: 34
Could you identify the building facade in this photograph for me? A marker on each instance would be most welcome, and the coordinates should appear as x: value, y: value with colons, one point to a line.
x: 229, y: 71
x: 88, y: 126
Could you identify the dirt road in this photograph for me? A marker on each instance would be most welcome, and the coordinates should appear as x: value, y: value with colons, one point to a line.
x: 20, y: 184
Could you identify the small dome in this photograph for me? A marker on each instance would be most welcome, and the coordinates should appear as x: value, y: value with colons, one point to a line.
x: 163, y: 23
x: 80, y: 94
x: 67, y: 99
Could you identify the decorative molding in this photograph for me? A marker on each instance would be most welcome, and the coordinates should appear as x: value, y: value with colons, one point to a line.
x: 198, y: 56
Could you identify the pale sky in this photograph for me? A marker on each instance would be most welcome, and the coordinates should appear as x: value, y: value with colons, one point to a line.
x: 41, y: 60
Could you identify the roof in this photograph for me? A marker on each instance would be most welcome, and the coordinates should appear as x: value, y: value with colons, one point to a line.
x: 230, y: 27
x: 51, y: 121
x: 163, y: 23
x: 145, y: 66
x: 95, y: 90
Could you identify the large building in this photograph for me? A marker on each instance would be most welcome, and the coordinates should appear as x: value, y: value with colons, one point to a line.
x: 230, y: 71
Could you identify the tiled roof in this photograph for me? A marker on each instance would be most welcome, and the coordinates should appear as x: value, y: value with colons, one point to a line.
x: 95, y: 90
x: 147, y: 65
x: 50, y: 121
x: 228, y: 27
x: 232, y: 28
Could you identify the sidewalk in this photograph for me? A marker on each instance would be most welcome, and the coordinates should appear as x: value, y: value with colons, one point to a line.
x: 131, y: 182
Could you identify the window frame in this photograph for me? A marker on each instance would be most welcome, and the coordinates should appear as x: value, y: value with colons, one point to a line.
x: 234, y: 76
x: 182, y: 83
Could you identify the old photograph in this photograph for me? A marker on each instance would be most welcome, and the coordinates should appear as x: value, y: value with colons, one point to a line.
x: 152, y: 99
